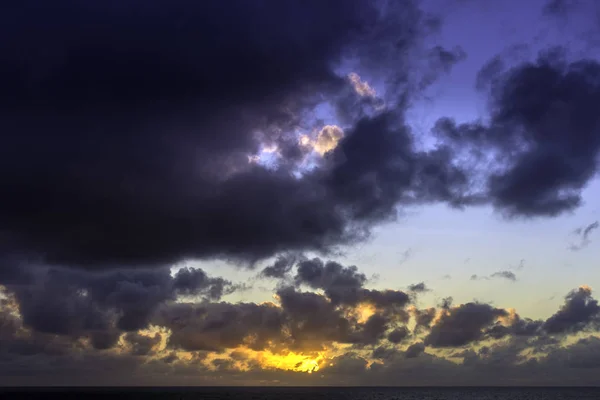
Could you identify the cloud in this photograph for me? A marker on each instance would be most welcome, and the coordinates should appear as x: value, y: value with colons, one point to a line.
x: 303, y: 337
x: 405, y: 256
x: 414, y: 350
x: 280, y: 268
x: 418, y: 287
x: 544, y: 109
x: 154, y: 170
x: 505, y: 275
x: 579, y: 310
x: 361, y: 87
x: 508, y: 275
x: 398, y: 335
x: 583, y: 234
x: 462, y: 325
x: 101, y: 305
x: 345, y: 285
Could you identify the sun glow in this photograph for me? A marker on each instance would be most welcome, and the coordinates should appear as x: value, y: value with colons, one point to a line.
x: 363, y: 312
x: 287, y: 360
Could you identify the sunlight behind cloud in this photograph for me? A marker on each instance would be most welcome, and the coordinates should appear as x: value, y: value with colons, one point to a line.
x: 361, y: 87
x: 326, y: 140
x: 291, y: 361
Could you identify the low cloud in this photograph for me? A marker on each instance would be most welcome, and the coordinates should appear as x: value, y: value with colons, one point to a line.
x: 327, y: 326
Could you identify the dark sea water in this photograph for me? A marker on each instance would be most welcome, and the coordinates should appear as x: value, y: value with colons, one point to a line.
x: 346, y: 393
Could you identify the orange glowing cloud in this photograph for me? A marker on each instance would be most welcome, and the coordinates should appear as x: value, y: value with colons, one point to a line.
x: 326, y: 140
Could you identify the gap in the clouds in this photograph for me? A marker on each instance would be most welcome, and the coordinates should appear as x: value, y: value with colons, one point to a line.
x: 323, y: 116
x: 306, y: 136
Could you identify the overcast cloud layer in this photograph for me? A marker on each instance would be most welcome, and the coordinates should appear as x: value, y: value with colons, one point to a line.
x: 137, y: 135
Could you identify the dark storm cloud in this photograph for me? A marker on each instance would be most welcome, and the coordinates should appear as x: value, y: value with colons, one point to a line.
x: 280, y: 268
x: 398, y: 335
x: 15, y: 270
x: 371, y: 331
x: 194, y: 281
x: 543, y: 140
x: 345, y: 285
x: 424, y: 318
x: 577, y: 313
x: 102, y: 305
x: 313, y: 320
x: 304, y: 322
x: 525, y: 326
x: 127, y: 128
x: 414, y: 350
x: 462, y: 325
x: 218, y: 326
x: 583, y: 234
x: 585, y: 354
x: 519, y: 327
x: 329, y: 276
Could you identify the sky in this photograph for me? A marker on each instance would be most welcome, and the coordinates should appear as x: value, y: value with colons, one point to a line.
x: 346, y: 192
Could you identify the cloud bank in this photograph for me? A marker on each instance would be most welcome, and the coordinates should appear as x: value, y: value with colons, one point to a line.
x: 327, y: 327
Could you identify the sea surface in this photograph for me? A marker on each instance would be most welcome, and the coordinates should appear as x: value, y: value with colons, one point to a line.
x: 330, y: 393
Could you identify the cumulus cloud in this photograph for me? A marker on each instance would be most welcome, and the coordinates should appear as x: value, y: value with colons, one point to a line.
x: 101, y: 305
x: 137, y: 321
x: 461, y: 325
x: 579, y: 310
x: 544, y: 110
x: 280, y: 268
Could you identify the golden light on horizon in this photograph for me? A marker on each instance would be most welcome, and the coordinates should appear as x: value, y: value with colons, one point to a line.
x: 292, y: 362
x: 286, y: 361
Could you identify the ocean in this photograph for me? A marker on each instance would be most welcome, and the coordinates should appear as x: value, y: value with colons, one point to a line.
x: 305, y: 393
